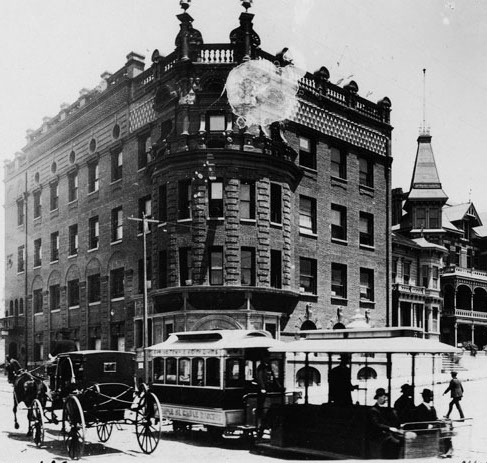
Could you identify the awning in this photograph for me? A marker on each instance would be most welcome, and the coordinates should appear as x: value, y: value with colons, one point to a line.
x: 398, y: 345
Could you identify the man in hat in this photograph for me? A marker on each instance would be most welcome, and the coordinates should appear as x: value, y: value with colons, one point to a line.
x: 426, y: 411
x: 384, y: 423
x: 404, y: 405
x: 340, y: 381
x: 456, y: 391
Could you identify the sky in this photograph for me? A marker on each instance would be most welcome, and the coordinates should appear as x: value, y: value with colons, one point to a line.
x: 52, y: 49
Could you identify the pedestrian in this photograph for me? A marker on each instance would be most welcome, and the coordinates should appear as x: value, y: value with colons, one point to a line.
x: 456, y: 391
x: 426, y: 411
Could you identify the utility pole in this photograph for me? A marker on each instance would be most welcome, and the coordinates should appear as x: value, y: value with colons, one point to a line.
x: 145, y: 225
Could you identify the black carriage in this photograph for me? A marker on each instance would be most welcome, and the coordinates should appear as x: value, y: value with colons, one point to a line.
x: 97, y: 389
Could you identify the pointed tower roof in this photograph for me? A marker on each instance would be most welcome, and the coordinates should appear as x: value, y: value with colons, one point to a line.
x: 425, y: 183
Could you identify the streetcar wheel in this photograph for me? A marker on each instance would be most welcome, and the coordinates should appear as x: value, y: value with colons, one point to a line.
x: 104, y: 431
x: 73, y: 427
x: 214, y: 432
x: 148, y: 422
x: 37, y: 423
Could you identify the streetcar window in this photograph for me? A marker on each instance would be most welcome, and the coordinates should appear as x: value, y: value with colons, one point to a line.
x: 159, y: 369
x: 234, y: 373
x: 198, y: 378
x: 109, y: 367
x: 184, y: 371
x: 249, y: 370
x: 171, y: 367
x: 213, y: 372
x: 276, y: 368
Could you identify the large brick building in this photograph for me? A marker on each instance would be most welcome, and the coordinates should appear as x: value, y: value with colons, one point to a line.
x: 279, y: 228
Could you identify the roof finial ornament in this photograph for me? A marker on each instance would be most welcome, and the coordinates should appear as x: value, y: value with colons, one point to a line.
x: 424, y: 129
x: 185, y: 4
x: 246, y: 4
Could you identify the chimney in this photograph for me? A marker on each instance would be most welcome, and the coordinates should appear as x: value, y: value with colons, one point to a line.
x: 82, y: 93
x: 135, y: 64
x: 45, y: 124
x: 28, y: 135
x: 63, y: 113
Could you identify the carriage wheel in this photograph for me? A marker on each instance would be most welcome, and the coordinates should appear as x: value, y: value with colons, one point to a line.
x: 148, y: 422
x: 104, y: 431
x: 73, y: 427
x: 36, y: 424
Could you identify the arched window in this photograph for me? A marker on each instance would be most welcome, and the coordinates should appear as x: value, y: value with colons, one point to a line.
x: 11, y: 309
x: 314, y: 377
x: 21, y: 308
x: 16, y: 307
x: 338, y: 326
x: 308, y: 325
x: 366, y: 373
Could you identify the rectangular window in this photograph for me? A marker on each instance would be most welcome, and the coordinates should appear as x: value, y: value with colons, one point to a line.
x: 307, y: 152
x: 93, y: 177
x: 94, y: 231
x: 54, y: 297
x: 434, y: 218
x: 73, y: 240
x: 425, y: 275
x: 20, y: 212
x: 307, y: 214
x: 38, y: 252
x: 394, y: 270
x: 141, y: 274
x: 216, y: 122
x: 215, y: 208
x: 247, y: 199
x: 435, y: 273
x: 145, y: 207
x: 406, y: 272
x: 144, y: 150
x: 276, y: 203
x: 247, y: 266
x: 54, y: 196
x: 163, y: 203
x: 163, y: 269
x: 307, y: 275
x: 72, y: 186
x: 366, y: 172
x: 184, y: 199
x: 117, y: 165
x: 117, y: 283
x: 94, y: 294
x: 366, y: 284
x: 37, y: 204
x: 366, y: 229
x: 339, y: 280
x: 54, y: 246
x: 37, y: 300
x: 276, y: 269
x: 338, y: 163
x: 216, y: 266
x: 73, y: 293
x: 117, y: 224
x: 420, y: 217
x: 338, y: 222
x: 20, y: 259
x: 185, y: 267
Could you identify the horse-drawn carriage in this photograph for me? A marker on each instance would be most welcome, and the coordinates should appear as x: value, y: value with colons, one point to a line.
x: 94, y: 389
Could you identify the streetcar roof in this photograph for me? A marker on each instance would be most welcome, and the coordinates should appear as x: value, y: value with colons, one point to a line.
x: 215, y: 340
x: 393, y: 345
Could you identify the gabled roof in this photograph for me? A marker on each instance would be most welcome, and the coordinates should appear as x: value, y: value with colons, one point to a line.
x: 425, y: 183
x: 462, y: 211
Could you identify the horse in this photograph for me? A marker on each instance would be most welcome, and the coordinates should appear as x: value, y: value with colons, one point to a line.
x: 27, y: 388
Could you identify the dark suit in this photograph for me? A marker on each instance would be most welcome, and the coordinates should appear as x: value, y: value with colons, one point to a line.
x: 456, y: 390
x: 404, y: 407
x: 423, y: 413
x: 380, y: 420
x: 341, y: 385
